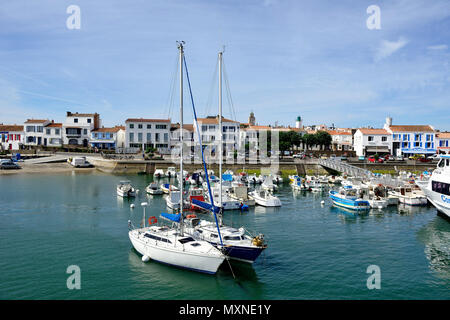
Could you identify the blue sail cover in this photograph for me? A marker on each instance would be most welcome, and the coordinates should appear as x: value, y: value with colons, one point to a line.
x: 171, y: 216
x: 205, y: 205
x: 227, y: 177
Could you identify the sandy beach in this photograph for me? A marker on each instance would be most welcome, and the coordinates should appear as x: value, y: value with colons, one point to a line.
x: 46, y: 168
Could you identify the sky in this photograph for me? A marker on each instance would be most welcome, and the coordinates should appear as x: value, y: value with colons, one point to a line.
x: 315, y: 59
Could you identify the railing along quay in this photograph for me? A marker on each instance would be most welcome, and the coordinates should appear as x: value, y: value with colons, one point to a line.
x: 345, y: 168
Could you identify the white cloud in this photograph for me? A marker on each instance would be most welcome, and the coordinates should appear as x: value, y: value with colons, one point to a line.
x: 438, y: 47
x: 387, y: 48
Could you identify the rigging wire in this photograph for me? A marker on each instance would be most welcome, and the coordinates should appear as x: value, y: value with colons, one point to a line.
x: 171, y: 96
x: 212, y: 89
x: 229, y: 98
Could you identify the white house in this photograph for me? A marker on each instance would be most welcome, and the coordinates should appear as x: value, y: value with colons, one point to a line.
x: 368, y: 141
x: 12, y: 137
x: 78, y: 126
x: 411, y: 139
x: 341, y: 139
x: 108, y: 138
x: 209, y: 128
x: 34, y: 132
x: 443, y: 142
x: 53, y: 134
x: 148, y: 133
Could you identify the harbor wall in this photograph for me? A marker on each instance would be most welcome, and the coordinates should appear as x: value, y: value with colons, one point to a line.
x: 300, y: 167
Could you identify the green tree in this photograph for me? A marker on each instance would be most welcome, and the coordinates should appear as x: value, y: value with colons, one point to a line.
x: 323, y: 139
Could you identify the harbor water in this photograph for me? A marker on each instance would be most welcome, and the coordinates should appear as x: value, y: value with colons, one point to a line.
x: 315, y: 251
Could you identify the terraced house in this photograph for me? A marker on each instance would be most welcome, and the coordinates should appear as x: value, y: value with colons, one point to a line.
x: 147, y: 133
x: 12, y: 137
x: 408, y: 140
x: 108, y: 138
x: 78, y: 126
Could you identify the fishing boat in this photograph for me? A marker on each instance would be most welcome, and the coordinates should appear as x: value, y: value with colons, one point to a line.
x: 173, y: 199
x: 153, y: 188
x: 406, y: 195
x: 265, y: 198
x: 170, y: 172
x: 159, y: 173
x: 347, y: 197
x: 376, y: 201
x: 125, y: 189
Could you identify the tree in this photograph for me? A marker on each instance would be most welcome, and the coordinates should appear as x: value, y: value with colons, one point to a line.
x: 323, y: 138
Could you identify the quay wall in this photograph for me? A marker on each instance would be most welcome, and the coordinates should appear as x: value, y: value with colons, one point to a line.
x: 300, y: 167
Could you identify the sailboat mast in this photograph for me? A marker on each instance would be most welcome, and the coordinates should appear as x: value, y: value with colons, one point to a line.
x: 220, y: 131
x: 180, y: 47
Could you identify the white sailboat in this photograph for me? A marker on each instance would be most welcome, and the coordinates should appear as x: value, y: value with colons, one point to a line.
x: 170, y: 245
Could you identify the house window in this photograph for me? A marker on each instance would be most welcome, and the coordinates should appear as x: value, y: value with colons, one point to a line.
x: 139, y: 126
x: 370, y: 138
x: 166, y: 137
x: 161, y: 126
x: 30, y: 129
x: 131, y: 137
x: 140, y: 137
x: 212, y: 128
x: 85, y: 131
x: 156, y: 136
x: 47, y: 131
x: 39, y: 129
x: 405, y: 137
x: 149, y: 126
x: 417, y: 137
x: 56, y: 131
x: 416, y: 144
x: 131, y: 125
x: 88, y: 120
x: 383, y: 139
x: 149, y: 137
x: 75, y: 120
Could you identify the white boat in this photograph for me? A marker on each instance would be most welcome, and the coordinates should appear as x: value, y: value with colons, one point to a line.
x: 265, y: 198
x: 153, y: 188
x: 159, y: 173
x: 173, y: 199
x: 227, y: 203
x: 170, y: 245
x: 170, y: 172
x: 277, y: 179
x: 406, y: 195
x: 299, y: 183
x: 167, y: 245
x: 376, y: 201
x: 240, y: 193
x: 437, y: 188
x: 166, y: 187
x: 196, y: 178
x: 125, y: 189
x: 268, y: 184
x: 347, y: 197
x: 185, y: 174
x: 253, y: 179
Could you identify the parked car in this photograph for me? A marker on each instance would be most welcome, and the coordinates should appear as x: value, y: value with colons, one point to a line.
x: 299, y: 156
x: 8, y: 164
x: 324, y: 156
x: 399, y: 158
x: 423, y: 159
x: 372, y: 159
x: 343, y: 158
x: 361, y: 158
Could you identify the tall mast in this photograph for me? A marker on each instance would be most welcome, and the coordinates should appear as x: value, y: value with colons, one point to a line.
x: 220, y: 131
x: 180, y: 47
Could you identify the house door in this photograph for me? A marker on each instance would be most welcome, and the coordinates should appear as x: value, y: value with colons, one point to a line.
x: 45, y: 141
x: 39, y: 141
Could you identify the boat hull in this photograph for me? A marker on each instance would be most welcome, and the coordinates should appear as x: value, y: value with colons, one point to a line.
x: 177, y: 257
x: 358, y: 205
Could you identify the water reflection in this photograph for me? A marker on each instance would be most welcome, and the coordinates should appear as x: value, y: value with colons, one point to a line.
x: 436, y: 238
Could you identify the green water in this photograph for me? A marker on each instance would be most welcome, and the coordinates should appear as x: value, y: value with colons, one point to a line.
x: 48, y: 222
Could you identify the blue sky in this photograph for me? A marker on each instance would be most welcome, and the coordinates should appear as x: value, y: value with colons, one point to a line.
x: 316, y: 59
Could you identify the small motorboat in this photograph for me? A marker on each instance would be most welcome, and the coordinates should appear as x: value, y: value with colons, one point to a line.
x: 265, y: 198
x: 171, y: 172
x: 347, y: 197
x: 125, y: 189
x: 166, y: 187
x: 153, y: 188
x: 159, y: 173
x: 173, y: 199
